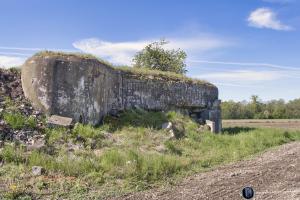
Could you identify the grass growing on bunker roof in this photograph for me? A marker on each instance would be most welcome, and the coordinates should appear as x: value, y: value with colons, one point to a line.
x: 144, y: 73
x: 75, y: 54
x: 139, y: 73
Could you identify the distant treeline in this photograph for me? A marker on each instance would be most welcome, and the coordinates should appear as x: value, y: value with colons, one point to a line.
x: 256, y: 109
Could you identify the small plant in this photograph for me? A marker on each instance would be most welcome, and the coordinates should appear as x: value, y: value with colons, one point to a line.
x: 42, y: 185
x: 172, y: 148
x: 18, y: 121
x: 87, y: 131
x: 12, y: 154
x: 55, y: 135
x: 15, y: 120
x: 152, y: 167
x: 31, y: 122
x: 112, y: 159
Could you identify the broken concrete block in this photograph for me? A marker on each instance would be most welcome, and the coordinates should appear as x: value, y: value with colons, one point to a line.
x: 37, y: 170
x: 166, y: 126
x: 56, y: 120
x: 212, y: 125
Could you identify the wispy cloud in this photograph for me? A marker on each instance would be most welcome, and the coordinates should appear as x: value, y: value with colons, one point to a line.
x: 33, y: 49
x: 266, y: 18
x: 243, y: 76
x: 249, y: 64
x: 236, y: 85
x: 15, y: 54
x: 123, y: 52
x: 10, y: 61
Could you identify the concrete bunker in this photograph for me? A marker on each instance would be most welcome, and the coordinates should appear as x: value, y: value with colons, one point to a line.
x: 86, y: 89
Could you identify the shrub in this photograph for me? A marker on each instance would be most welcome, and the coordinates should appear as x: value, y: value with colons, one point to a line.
x: 154, y: 56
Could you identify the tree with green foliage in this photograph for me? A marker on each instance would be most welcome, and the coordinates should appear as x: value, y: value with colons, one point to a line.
x: 155, y: 57
x: 256, y: 109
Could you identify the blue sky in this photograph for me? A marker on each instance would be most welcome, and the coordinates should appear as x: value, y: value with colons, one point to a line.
x: 244, y: 47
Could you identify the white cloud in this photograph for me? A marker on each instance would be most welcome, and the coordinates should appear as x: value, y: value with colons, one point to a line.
x: 266, y: 18
x: 10, y: 61
x: 243, y: 75
x: 122, y: 52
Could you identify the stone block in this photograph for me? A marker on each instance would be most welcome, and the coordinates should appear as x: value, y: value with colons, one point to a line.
x: 37, y: 170
x: 212, y: 125
x: 56, y: 121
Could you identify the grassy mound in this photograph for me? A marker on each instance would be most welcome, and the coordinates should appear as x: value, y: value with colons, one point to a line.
x: 128, y: 153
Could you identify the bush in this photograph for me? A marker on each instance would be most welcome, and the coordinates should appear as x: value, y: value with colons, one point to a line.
x: 154, y: 56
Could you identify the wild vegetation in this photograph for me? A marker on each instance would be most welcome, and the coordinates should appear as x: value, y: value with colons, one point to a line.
x: 127, y: 153
x: 155, y: 57
x: 257, y: 109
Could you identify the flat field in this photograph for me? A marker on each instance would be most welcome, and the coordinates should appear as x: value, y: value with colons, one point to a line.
x: 291, y: 124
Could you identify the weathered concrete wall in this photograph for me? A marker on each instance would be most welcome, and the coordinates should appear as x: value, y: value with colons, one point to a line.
x: 86, y: 89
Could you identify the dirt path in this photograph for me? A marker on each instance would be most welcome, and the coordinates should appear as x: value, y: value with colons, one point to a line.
x: 273, y: 175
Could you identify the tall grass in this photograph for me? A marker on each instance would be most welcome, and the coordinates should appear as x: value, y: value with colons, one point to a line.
x: 190, y: 153
x: 130, y: 155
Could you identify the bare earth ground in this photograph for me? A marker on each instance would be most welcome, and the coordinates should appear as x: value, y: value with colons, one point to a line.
x: 291, y: 124
x: 274, y: 174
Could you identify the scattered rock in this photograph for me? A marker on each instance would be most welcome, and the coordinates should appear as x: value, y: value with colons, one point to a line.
x: 92, y: 142
x: 108, y: 135
x: 37, y: 170
x: 161, y: 149
x: 80, y: 139
x: 11, y: 89
x: 74, y: 147
x: 178, y: 130
x: 36, y: 144
x: 166, y: 126
x: 171, y: 135
x: 235, y: 174
x: 204, y: 128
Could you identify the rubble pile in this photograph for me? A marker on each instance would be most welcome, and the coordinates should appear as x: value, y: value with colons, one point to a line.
x: 12, y: 100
